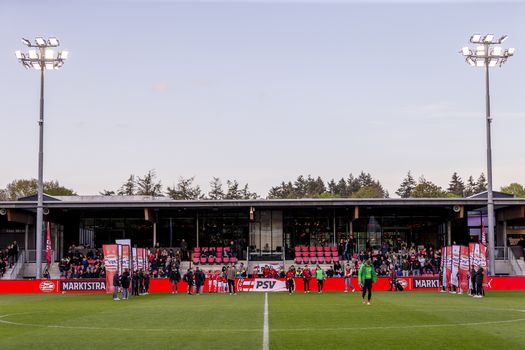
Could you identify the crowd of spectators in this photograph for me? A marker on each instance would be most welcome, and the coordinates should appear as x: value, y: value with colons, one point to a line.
x: 405, y: 260
x: 8, y: 257
x: 82, y: 263
x: 402, y: 260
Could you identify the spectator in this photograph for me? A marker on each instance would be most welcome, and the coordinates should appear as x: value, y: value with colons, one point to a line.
x: 231, y: 272
x: 199, y: 280
x: 175, y: 279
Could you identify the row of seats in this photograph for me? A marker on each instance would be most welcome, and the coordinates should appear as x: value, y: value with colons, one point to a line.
x: 205, y: 249
x: 313, y: 248
x: 216, y: 260
x: 316, y: 254
x: 315, y: 260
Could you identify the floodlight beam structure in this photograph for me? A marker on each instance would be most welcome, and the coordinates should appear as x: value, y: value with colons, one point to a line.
x: 486, y: 55
x: 41, y: 56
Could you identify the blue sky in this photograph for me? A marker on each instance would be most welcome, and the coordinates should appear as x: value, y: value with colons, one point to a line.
x: 260, y: 91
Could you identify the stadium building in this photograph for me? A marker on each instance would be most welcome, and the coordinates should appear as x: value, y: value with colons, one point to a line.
x: 265, y: 230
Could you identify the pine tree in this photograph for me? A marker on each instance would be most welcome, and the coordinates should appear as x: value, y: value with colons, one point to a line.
x: 148, y: 185
x: 407, y: 186
x: 129, y: 188
x: 481, y: 184
x: 233, y: 191
x: 470, y: 188
x: 456, y: 185
x: 216, y: 191
x: 184, y: 190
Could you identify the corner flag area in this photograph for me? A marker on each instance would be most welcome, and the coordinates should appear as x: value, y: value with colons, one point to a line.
x: 411, y: 320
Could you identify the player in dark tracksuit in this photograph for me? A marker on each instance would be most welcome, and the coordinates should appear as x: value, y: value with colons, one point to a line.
x: 479, y: 283
x: 188, y: 278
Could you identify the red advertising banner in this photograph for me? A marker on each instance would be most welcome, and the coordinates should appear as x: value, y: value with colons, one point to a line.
x: 162, y: 285
x: 140, y: 258
x: 464, y: 268
x: 111, y: 259
x: 126, y: 258
x: 48, y: 245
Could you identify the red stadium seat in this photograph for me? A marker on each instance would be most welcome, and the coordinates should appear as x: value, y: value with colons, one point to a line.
x: 211, y: 260
x: 304, y: 248
x: 226, y: 260
x: 197, y: 249
x: 306, y: 260
x: 333, y: 248
x: 298, y: 254
x: 319, y: 254
x: 313, y: 254
x: 233, y: 260
x: 326, y: 249
x: 335, y: 259
x: 196, y: 255
x: 327, y: 254
x: 313, y: 260
x: 320, y: 260
x: 297, y: 247
x: 312, y: 248
x: 203, y: 260
x: 328, y: 260
x: 218, y: 260
x: 195, y: 260
x: 219, y: 249
x: 298, y: 260
x: 319, y: 248
x: 219, y: 254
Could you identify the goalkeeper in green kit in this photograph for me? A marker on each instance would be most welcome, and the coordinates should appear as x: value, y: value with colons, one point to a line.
x: 367, y: 276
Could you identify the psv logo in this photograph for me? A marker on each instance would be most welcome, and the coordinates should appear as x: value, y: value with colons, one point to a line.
x: 47, y: 286
x: 265, y: 284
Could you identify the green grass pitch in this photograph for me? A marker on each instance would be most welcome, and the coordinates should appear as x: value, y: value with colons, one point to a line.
x: 408, y: 320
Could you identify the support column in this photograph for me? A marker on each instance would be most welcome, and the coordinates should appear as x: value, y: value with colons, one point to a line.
x: 197, y: 230
x: 154, y: 234
x: 505, y: 240
x: 26, y: 238
x: 449, y: 232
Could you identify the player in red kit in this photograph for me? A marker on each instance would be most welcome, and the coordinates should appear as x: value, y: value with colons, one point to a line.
x: 306, y: 274
x: 290, y: 279
x: 210, y: 276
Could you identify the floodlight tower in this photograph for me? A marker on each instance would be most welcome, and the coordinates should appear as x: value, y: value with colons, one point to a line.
x: 41, y: 56
x: 487, y: 55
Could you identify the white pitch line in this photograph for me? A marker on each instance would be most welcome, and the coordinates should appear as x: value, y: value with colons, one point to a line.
x: 266, y: 332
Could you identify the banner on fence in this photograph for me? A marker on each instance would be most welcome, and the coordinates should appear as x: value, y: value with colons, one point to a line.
x: 261, y: 285
x: 111, y: 259
x: 454, y: 278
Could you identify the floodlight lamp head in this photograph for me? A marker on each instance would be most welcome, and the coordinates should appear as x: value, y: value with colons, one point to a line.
x: 465, y: 51
x: 53, y: 41
x: 26, y: 42
x: 510, y: 51
x: 476, y: 38
x: 19, y: 54
x: 40, y: 41
x: 488, y: 38
x: 503, y: 38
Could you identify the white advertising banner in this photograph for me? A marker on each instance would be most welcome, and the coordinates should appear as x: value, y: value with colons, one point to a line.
x: 261, y: 285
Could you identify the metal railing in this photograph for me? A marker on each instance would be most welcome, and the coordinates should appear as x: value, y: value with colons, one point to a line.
x: 31, y: 256
x: 501, y: 253
x: 514, y: 263
x: 13, y: 274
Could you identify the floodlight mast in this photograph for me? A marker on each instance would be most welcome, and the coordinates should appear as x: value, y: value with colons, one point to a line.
x: 485, y: 55
x: 41, y: 59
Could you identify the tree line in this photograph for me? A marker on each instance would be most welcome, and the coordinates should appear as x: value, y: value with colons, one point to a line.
x: 360, y: 186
